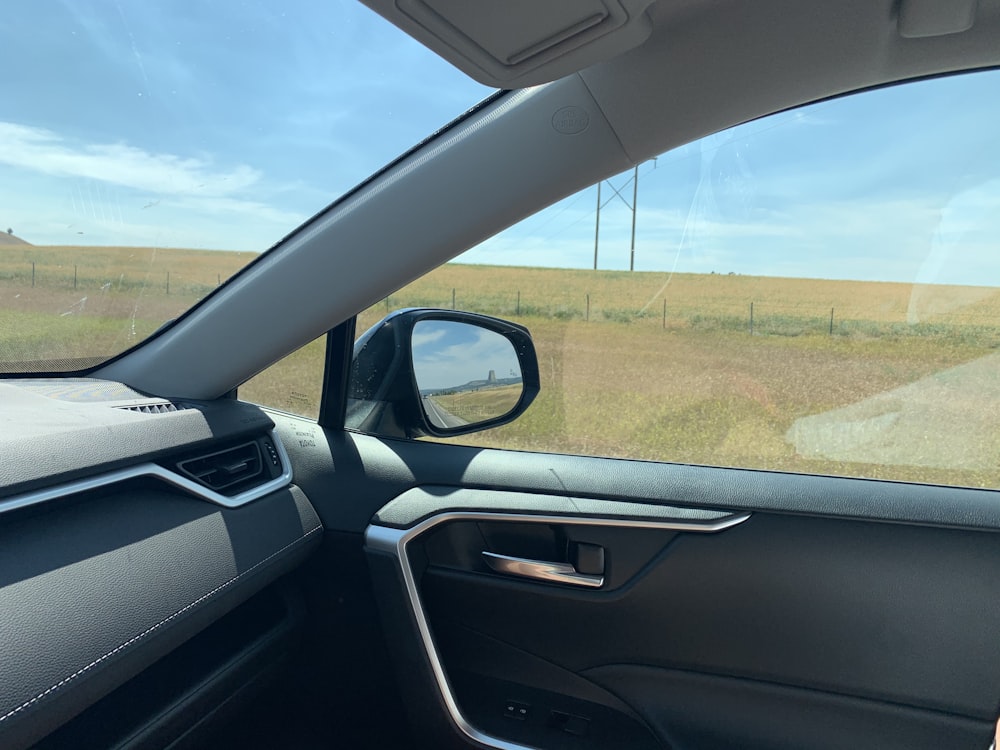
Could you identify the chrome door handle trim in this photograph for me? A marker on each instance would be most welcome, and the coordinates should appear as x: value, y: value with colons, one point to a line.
x: 541, y: 570
x: 395, y: 542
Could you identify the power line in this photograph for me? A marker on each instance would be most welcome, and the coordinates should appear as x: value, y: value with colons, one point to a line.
x: 634, y: 205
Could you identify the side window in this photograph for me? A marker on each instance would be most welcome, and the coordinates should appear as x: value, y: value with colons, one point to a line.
x: 293, y: 384
x: 813, y: 292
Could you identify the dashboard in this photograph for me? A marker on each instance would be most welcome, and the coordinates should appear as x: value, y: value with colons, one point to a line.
x: 127, y: 526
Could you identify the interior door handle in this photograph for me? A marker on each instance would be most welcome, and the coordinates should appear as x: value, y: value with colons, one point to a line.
x: 541, y: 570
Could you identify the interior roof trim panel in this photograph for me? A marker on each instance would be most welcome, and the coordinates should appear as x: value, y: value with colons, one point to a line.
x: 394, y: 542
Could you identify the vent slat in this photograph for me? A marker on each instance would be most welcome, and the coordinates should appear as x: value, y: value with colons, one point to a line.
x: 227, y: 468
x: 157, y: 408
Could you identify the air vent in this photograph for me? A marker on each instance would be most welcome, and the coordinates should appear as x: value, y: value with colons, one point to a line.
x: 161, y: 407
x: 228, y: 469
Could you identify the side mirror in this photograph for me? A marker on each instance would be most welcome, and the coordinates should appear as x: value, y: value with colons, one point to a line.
x: 441, y: 373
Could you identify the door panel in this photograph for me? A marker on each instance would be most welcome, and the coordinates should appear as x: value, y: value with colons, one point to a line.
x: 839, y: 606
x: 695, y: 710
x: 355, y: 475
x: 705, y: 639
x: 799, y: 611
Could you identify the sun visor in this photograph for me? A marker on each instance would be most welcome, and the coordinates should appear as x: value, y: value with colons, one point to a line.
x: 517, y: 43
x: 926, y: 18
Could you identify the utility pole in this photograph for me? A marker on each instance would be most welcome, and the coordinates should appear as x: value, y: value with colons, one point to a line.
x: 635, y: 194
x: 597, y: 225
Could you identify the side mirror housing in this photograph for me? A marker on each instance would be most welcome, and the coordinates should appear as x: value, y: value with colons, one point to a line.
x: 441, y: 373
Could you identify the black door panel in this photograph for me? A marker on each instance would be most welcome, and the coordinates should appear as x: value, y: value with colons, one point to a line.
x: 706, y: 639
x: 694, y: 710
x: 841, y: 613
x: 847, y: 607
x: 350, y: 477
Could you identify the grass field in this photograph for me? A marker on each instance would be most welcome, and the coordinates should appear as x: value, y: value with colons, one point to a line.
x: 65, y: 303
x: 640, y: 365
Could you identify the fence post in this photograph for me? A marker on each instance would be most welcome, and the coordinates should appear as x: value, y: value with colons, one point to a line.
x: 588, y: 307
x: 831, y: 321
x: 387, y: 304
x: 168, y: 282
x: 517, y: 310
x: 751, y: 318
x: 664, y: 314
x: 218, y: 279
x: 32, y: 274
x: 452, y: 299
x: 74, y: 277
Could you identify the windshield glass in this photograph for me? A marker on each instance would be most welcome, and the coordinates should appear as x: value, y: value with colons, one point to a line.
x: 149, y: 150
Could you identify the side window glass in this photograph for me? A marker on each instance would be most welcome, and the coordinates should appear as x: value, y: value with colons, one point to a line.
x: 816, y: 291
x: 293, y: 384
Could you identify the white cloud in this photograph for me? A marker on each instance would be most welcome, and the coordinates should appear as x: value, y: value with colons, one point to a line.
x: 466, y: 354
x: 423, y: 339
x: 59, y: 191
x: 257, y: 210
x: 42, y: 150
x: 887, y: 239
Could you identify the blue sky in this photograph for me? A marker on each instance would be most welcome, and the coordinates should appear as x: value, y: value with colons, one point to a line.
x: 217, y: 125
x: 448, y: 354
x: 897, y: 184
x: 224, y: 125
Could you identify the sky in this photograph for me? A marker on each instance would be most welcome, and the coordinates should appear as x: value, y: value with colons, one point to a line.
x: 447, y: 354
x: 207, y: 125
x: 897, y: 184
x: 225, y: 125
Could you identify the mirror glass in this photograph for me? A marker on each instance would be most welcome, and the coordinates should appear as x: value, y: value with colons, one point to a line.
x: 465, y: 374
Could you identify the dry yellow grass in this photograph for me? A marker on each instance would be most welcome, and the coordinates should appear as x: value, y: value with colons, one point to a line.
x: 638, y: 297
x: 700, y: 388
x: 696, y: 388
x: 66, y: 302
x: 54, y: 264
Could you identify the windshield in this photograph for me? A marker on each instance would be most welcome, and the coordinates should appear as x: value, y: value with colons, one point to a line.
x: 149, y: 150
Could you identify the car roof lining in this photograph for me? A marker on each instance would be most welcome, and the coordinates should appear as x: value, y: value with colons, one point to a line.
x: 707, y: 66
x: 518, y: 43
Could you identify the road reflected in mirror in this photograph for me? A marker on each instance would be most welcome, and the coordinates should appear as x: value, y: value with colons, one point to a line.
x: 465, y: 374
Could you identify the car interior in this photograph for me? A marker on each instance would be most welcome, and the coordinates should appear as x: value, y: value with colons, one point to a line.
x: 181, y: 568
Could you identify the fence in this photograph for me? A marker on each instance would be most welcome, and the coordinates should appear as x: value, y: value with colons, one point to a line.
x: 86, y: 277
x: 754, y: 318
x: 757, y: 317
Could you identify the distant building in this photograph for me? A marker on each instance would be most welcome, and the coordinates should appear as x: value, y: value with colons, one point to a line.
x: 492, y: 377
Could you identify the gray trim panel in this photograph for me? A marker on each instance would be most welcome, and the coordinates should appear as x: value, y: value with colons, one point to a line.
x: 421, y: 503
x: 155, y: 470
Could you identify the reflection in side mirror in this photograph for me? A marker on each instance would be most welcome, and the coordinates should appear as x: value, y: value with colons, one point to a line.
x: 465, y: 374
x: 439, y: 373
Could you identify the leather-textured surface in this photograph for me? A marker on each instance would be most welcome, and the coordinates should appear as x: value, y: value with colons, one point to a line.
x: 371, y: 471
x: 95, y: 589
x: 45, y: 441
x: 703, y: 712
x: 891, y: 613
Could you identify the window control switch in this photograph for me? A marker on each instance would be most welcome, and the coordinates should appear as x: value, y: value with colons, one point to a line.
x: 516, y: 710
